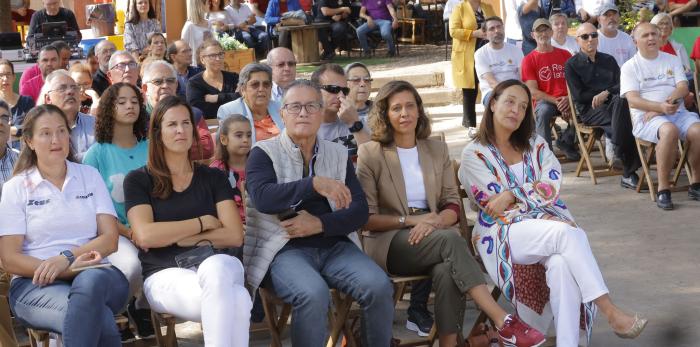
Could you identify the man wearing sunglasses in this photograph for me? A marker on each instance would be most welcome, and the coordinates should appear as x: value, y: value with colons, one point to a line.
x: 594, y: 83
x: 341, y: 121
x: 160, y: 80
x: 123, y: 68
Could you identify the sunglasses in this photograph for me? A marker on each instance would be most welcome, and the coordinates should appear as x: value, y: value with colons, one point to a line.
x: 333, y: 89
x: 593, y: 35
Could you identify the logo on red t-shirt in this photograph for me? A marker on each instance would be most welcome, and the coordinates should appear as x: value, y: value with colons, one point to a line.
x: 554, y: 71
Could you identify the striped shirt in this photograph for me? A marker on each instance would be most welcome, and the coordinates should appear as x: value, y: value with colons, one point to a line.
x: 7, y: 164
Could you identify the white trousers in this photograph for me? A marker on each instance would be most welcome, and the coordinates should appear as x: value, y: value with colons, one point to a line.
x: 572, y: 273
x: 213, y: 295
x: 126, y: 259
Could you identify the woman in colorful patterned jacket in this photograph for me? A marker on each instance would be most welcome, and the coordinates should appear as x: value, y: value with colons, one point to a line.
x: 526, y: 236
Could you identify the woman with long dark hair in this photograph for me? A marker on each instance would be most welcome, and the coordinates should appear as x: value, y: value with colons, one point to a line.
x: 56, y: 219
x: 175, y: 207
x: 141, y: 23
x: 525, y: 234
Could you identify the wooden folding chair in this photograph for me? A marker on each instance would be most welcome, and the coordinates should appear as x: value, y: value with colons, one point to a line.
x: 337, y: 316
x: 588, y: 136
x: 466, y: 231
x: 159, y: 321
x: 647, y: 151
x: 7, y: 333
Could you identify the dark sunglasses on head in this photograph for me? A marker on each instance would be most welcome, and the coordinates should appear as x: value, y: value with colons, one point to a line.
x: 333, y: 89
x: 593, y: 35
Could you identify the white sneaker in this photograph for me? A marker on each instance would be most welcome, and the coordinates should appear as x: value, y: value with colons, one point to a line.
x: 609, y: 149
x: 471, y: 133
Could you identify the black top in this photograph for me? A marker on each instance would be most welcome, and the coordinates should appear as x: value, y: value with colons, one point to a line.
x: 587, y: 79
x: 208, y: 187
x: 23, y: 105
x: 333, y: 4
x: 64, y: 15
x: 100, y: 82
x: 197, y: 88
x: 272, y: 198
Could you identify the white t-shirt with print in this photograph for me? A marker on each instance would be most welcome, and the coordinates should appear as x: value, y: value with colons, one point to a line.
x: 621, y: 47
x: 503, y: 63
x: 569, y: 45
x: 50, y: 219
x: 239, y: 15
x: 654, y: 79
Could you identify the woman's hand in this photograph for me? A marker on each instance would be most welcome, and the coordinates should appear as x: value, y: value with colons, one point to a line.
x: 87, y: 259
x: 210, y: 222
x: 431, y: 218
x: 419, y: 232
x: 49, y: 269
x: 498, y: 203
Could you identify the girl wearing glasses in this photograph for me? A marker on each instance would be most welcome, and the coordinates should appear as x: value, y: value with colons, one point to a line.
x: 19, y: 104
x: 212, y: 87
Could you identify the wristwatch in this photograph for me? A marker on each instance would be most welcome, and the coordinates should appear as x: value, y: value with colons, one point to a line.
x: 69, y: 255
x: 402, y: 221
x: 357, y: 126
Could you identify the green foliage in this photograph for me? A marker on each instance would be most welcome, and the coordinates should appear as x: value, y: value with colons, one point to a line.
x: 629, y: 17
x: 229, y: 43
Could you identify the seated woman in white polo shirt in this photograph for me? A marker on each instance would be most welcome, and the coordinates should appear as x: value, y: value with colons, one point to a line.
x: 173, y: 205
x: 56, y: 217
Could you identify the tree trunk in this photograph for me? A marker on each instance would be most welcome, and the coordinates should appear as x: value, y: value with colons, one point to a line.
x: 6, y: 17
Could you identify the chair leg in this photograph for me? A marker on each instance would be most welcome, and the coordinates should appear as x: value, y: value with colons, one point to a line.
x: 682, y: 163
x: 342, y: 304
x: 274, y: 323
x: 646, y: 160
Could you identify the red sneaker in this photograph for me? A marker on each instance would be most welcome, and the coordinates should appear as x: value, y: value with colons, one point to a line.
x: 516, y: 333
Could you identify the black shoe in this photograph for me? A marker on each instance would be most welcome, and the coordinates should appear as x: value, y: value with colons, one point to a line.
x: 419, y: 320
x: 630, y: 182
x: 127, y: 335
x: 663, y: 200
x: 141, y: 318
x: 569, y: 151
x: 694, y: 194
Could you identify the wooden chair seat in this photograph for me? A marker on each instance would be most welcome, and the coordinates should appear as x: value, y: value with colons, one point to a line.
x: 647, y: 152
x: 164, y: 319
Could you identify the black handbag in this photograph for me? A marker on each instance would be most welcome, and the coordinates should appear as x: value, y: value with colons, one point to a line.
x: 193, y: 258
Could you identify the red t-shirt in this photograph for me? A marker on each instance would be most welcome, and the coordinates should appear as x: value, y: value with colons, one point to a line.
x: 668, y: 49
x: 262, y: 5
x: 547, y: 69
x: 695, y: 54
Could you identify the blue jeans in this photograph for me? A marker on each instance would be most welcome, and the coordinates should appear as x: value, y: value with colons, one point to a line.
x: 302, y: 276
x: 384, y: 27
x: 254, y: 38
x: 545, y: 112
x: 82, y: 311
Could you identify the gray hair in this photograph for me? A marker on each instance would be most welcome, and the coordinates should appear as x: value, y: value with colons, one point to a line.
x: 250, y: 69
x: 558, y: 14
x: 303, y: 83
x: 46, y: 88
x: 150, y: 68
x: 354, y: 65
x: 660, y: 16
x: 113, y: 58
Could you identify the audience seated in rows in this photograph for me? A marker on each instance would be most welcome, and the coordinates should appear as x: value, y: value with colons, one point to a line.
x: 337, y: 14
x: 245, y: 29
x: 658, y: 113
x: 380, y: 16
x: 212, y: 87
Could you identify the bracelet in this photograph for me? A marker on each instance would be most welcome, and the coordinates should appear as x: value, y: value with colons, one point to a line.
x: 201, y: 226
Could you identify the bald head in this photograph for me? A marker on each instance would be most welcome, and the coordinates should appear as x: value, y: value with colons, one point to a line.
x: 646, y: 37
x: 283, y: 64
x: 585, y: 28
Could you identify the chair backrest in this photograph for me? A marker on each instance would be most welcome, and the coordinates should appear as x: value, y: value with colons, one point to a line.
x: 464, y: 227
x: 572, y: 107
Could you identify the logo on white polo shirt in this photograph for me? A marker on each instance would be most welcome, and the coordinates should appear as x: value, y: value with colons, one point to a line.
x: 33, y: 202
x: 84, y: 196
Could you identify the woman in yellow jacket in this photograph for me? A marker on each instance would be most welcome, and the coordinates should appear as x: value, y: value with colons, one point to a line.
x: 467, y: 37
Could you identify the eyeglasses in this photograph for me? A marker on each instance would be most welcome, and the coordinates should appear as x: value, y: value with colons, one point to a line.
x: 257, y: 84
x: 333, y: 89
x: 218, y: 56
x: 295, y: 109
x: 358, y: 79
x: 122, y: 66
x: 593, y: 35
x: 282, y: 64
x: 5, y: 118
x: 5, y: 75
x: 64, y: 88
x: 159, y: 81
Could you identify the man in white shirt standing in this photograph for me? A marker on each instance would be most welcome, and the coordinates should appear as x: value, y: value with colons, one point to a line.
x: 654, y: 84
x: 588, y: 10
x: 561, y: 38
x: 613, y: 41
x: 496, y: 61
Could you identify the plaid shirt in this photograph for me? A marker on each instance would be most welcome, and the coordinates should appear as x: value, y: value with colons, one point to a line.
x: 7, y: 164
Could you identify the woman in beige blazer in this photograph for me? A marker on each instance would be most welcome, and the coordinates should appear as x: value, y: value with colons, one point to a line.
x: 413, y: 203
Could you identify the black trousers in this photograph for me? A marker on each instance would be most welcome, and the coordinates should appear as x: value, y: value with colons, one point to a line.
x: 338, y: 34
x: 614, y: 117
